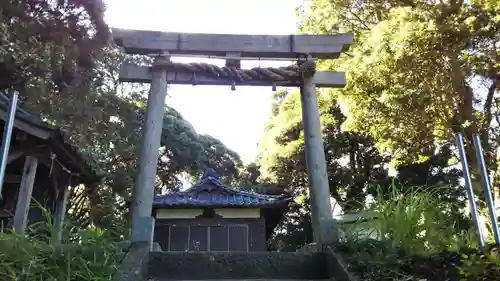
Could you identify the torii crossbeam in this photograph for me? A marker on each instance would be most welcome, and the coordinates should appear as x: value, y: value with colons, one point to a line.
x: 163, y: 72
x: 130, y: 72
x: 144, y: 42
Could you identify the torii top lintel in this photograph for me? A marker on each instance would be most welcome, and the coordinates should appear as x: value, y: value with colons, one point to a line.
x: 257, y: 46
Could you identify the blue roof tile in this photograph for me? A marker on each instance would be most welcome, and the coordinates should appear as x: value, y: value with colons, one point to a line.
x: 210, y: 192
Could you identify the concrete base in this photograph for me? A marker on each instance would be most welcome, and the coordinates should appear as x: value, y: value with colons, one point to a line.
x: 337, y: 266
x: 156, y: 247
x: 308, y: 248
x: 329, y: 231
x: 134, y: 265
x: 144, y: 231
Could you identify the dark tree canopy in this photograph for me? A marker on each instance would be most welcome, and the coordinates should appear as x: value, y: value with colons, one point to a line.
x: 50, y: 44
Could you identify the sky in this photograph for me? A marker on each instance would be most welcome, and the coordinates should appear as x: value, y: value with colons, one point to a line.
x: 237, y: 118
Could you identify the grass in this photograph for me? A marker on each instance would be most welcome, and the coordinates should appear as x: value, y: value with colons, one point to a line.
x: 83, y: 255
x: 413, y: 238
x: 413, y: 221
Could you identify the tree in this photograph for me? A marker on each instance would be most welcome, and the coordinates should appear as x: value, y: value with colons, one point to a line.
x: 50, y: 46
x: 353, y: 163
x: 355, y: 167
x: 418, y: 72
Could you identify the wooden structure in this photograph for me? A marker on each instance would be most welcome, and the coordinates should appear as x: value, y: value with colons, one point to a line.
x: 212, y: 217
x: 303, y: 48
x: 41, y: 165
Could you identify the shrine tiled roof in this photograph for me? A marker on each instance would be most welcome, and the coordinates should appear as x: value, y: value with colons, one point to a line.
x: 210, y: 192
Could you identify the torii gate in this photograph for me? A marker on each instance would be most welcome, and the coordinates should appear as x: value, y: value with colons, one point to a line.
x: 303, y: 48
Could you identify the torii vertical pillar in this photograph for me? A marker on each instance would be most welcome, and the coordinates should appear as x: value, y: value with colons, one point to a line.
x: 143, y: 193
x: 319, y: 189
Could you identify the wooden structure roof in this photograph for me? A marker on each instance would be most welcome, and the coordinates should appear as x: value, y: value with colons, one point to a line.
x: 55, y: 138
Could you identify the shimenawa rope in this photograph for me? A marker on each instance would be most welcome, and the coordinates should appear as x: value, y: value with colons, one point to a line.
x: 306, y: 68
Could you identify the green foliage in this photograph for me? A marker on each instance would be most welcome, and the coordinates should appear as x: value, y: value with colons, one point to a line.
x: 50, y: 46
x: 414, y: 238
x: 355, y: 168
x: 418, y: 72
x: 83, y: 255
x: 94, y: 258
x: 414, y: 221
x: 353, y: 163
x: 295, y: 230
x: 370, y: 261
x: 474, y: 265
x: 282, y: 164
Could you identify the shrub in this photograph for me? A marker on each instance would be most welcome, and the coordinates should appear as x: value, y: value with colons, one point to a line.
x: 91, y: 255
x: 415, y: 240
x: 413, y: 221
x: 480, y: 265
x: 464, y: 265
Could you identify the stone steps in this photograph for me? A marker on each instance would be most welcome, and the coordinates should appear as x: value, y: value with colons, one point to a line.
x: 240, y: 266
x: 244, y: 280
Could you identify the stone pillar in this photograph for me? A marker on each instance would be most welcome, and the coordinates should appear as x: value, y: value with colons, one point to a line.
x: 319, y: 188
x: 143, y: 193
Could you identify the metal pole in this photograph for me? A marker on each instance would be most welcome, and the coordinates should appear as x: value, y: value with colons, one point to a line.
x: 315, y: 159
x: 143, y: 193
x: 468, y: 187
x: 487, y: 186
x: 7, y: 134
